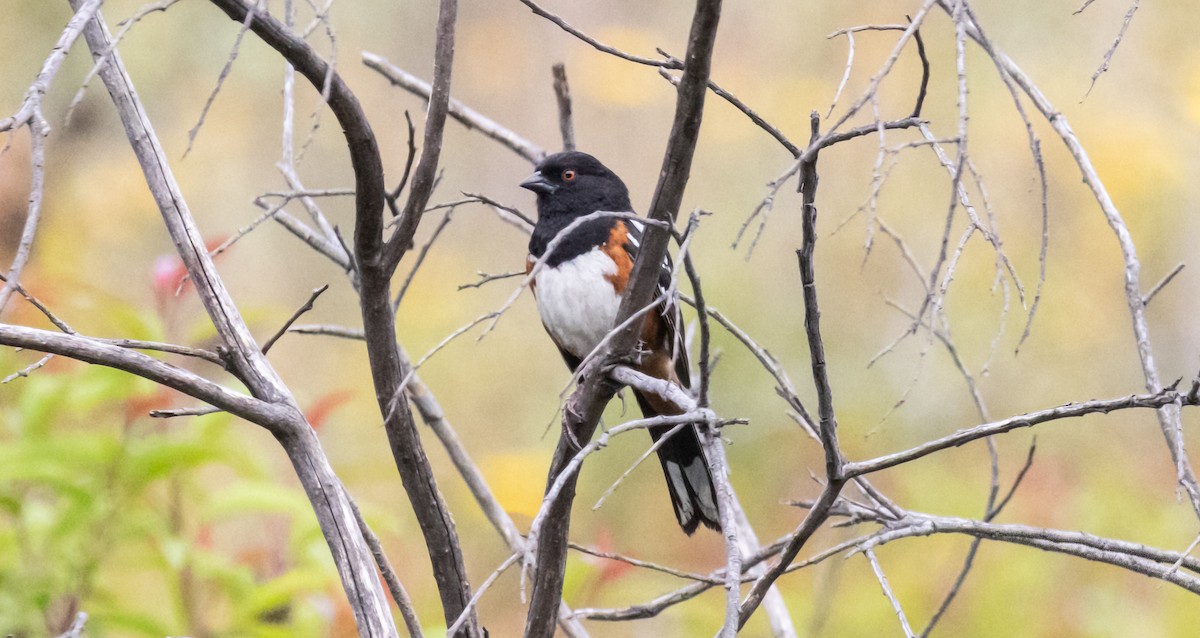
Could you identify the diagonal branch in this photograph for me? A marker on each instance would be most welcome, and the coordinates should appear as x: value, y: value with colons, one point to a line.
x: 596, y: 44
x: 111, y: 355
x: 375, y: 270
x: 834, y: 475
x: 30, y: 114
x: 321, y: 485
x: 425, y: 175
x: 1154, y: 401
x: 591, y: 397
x: 460, y: 112
x: 1168, y: 414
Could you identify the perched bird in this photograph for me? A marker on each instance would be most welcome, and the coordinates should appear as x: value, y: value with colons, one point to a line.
x: 578, y: 292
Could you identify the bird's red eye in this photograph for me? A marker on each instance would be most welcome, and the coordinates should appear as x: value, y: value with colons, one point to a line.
x: 568, y: 175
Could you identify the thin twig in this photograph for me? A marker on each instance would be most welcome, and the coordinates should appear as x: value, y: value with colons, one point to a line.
x: 412, y: 273
x: 24, y: 373
x: 399, y: 594
x: 507, y: 213
x: 483, y: 587
x: 702, y: 578
x: 644, y: 455
x: 887, y: 591
x: 562, y: 93
x: 738, y: 104
x: 1168, y: 414
x: 1153, y: 401
x: 329, y: 331
x: 125, y: 25
x: 486, y: 277
x: 233, y: 54
x: 596, y: 44
x: 408, y: 164
x: 178, y: 412
x: 834, y: 472
x: 36, y: 303
x: 137, y: 344
x: 77, y: 626
x: 1162, y: 284
x: 846, y: 72
x: 461, y: 113
x: 308, y: 305
x: 1113, y: 47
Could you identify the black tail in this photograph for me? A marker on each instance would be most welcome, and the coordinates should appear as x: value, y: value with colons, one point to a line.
x: 689, y: 479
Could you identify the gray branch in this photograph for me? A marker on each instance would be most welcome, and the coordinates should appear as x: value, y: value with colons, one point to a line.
x: 286, y: 422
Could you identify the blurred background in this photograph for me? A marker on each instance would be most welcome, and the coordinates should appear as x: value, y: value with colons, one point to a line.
x: 197, y: 526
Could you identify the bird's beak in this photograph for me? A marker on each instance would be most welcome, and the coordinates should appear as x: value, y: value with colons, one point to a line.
x: 538, y: 184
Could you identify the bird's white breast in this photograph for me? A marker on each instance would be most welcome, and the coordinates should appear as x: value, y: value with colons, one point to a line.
x: 577, y: 302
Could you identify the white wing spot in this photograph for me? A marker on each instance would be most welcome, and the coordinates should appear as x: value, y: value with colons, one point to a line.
x: 679, y: 485
x: 699, y: 478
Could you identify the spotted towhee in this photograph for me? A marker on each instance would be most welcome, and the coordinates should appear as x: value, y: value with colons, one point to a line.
x: 578, y: 291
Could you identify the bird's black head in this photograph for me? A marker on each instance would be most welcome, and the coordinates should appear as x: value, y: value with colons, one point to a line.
x: 573, y: 184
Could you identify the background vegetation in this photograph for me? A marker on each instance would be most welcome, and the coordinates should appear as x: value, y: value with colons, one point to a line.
x: 196, y: 526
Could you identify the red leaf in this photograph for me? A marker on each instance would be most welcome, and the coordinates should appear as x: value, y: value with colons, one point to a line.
x: 320, y: 410
x: 169, y: 272
x: 138, y: 406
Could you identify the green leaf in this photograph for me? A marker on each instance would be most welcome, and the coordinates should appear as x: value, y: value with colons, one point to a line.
x: 256, y: 497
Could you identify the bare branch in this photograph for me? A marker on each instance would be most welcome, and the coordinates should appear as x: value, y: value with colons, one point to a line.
x: 308, y: 305
x: 591, y: 397
x: 432, y: 414
x: 849, y: 33
x: 644, y: 455
x: 403, y: 601
x: 887, y: 591
x: 329, y: 331
x: 757, y: 119
x: 590, y: 551
x: 24, y: 373
x: 485, y: 278
x: 58, y: 323
x: 50, y: 66
x: 464, y: 115
x: 508, y: 213
x: 1153, y: 401
x: 1135, y: 557
x: 137, y: 344
x: 180, y: 412
x: 113, y: 356
x: 412, y: 273
x: 562, y: 92
x: 1168, y: 414
x: 408, y: 161
x: 596, y: 44
x: 306, y: 198
x: 1162, y: 284
x: 834, y: 473
x: 417, y: 477
x: 483, y: 587
x: 424, y: 176
x: 77, y: 626
x: 727, y: 508
x: 37, y: 131
x: 1113, y: 47
x: 212, y: 96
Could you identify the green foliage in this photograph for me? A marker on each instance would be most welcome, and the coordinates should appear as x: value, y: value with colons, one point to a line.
x: 143, y: 523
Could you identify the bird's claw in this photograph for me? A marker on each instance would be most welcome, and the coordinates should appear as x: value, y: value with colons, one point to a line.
x: 573, y: 416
